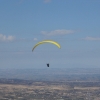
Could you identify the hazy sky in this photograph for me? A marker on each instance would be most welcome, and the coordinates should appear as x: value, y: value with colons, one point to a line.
x: 75, y: 24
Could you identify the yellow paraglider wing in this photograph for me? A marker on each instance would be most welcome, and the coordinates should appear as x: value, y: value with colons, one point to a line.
x: 47, y: 41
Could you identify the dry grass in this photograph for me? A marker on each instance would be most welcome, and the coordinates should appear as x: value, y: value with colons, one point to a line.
x: 87, y: 88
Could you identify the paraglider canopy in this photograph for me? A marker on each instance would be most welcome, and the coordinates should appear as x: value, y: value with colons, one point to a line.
x: 46, y: 41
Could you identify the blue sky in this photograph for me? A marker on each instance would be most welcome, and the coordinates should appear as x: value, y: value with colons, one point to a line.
x: 75, y: 24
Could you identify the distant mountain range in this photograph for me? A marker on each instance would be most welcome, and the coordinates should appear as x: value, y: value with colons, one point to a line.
x: 52, y: 74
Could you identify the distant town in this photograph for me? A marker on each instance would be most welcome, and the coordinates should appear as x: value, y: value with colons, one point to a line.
x: 77, y: 85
